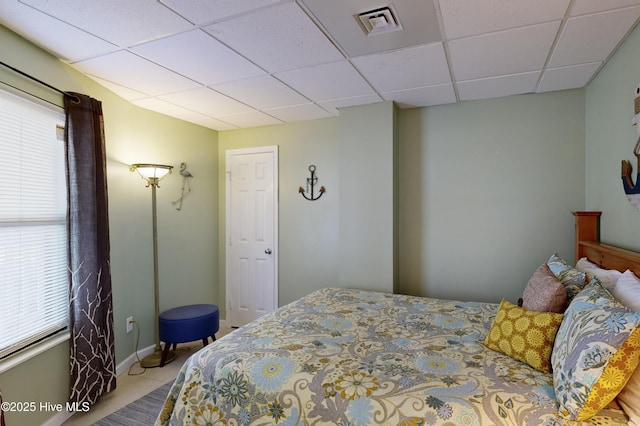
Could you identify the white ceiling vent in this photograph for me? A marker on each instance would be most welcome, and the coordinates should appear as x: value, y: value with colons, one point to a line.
x: 380, y: 21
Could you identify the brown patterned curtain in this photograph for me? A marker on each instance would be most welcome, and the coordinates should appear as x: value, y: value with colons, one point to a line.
x: 93, y: 370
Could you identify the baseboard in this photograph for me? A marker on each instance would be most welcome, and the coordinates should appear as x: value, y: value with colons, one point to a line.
x: 121, y: 368
x: 124, y: 366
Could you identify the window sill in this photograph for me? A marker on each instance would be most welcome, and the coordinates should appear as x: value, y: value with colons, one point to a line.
x: 27, y: 354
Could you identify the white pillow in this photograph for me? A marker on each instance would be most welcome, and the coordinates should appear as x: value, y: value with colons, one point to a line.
x: 607, y: 277
x: 627, y: 290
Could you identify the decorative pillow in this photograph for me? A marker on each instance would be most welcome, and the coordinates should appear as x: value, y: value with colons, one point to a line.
x: 597, y: 348
x: 524, y: 334
x: 608, y: 277
x: 544, y: 292
x: 572, y: 279
x: 627, y: 290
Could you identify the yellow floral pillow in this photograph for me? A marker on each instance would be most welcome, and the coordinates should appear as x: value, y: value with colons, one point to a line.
x: 525, y: 335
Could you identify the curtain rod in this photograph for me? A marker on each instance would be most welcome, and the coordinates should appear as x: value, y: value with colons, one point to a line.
x: 30, y: 77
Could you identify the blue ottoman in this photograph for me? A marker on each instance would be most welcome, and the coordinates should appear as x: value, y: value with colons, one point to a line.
x: 186, y: 324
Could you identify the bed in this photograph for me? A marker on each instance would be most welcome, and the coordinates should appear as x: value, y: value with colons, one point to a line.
x: 353, y: 357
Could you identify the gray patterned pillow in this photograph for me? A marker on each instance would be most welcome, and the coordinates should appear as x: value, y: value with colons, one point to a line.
x: 572, y: 279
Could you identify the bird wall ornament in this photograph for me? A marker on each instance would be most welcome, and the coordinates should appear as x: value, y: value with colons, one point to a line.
x: 186, y: 185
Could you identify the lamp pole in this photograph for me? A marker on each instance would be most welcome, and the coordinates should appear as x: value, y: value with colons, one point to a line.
x: 150, y: 173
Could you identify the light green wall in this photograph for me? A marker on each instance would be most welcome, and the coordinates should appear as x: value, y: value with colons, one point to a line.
x: 486, y: 191
x: 610, y: 138
x: 308, y: 230
x: 187, y: 239
x: 367, y: 201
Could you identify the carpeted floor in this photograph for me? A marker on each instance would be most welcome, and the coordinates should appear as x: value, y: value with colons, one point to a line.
x: 142, y: 412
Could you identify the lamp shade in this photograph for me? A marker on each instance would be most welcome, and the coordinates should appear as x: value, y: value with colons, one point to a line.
x: 153, y: 173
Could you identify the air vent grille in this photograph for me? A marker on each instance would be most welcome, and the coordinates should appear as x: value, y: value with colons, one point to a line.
x: 380, y: 21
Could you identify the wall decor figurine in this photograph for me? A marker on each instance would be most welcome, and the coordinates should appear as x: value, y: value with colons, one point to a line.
x: 186, y: 176
x: 633, y: 190
x: 311, y: 182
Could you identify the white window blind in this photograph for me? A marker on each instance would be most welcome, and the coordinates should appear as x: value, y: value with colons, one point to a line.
x: 33, y: 225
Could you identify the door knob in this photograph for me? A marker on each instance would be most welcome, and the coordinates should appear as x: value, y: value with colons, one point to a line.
x: 268, y: 251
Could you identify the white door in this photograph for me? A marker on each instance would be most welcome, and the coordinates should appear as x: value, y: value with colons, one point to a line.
x: 252, y: 231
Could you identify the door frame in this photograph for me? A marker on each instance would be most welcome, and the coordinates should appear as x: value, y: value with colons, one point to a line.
x: 273, y: 149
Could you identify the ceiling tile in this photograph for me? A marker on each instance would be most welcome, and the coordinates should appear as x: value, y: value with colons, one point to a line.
x: 298, y: 113
x: 261, y: 92
x: 591, y: 38
x: 327, y: 81
x: 64, y: 41
x: 278, y: 38
x: 418, y: 19
x: 121, y: 22
x: 403, y: 69
x: 571, y: 77
x: 126, y: 69
x: 505, y: 52
x: 214, y: 124
x: 582, y: 7
x: 122, y: 91
x: 250, y: 119
x: 206, y: 101
x: 332, y: 105
x: 158, y: 105
x: 422, y: 96
x: 463, y: 18
x: 207, y: 11
x: 198, y: 56
x: 498, y: 86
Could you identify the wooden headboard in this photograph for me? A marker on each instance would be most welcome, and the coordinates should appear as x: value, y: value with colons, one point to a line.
x: 587, y: 244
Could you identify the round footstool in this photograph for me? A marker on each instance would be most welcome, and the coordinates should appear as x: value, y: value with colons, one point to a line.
x: 186, y: 324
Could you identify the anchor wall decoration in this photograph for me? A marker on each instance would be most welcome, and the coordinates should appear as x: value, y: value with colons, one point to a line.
x: 311, y: 182
x: 633, y: 190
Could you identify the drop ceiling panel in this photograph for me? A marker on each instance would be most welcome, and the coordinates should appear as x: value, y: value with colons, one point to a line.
x: 261, y: 92
x: 404, y: 69
x: 570, y: 77
x: 332, y: 105
x: 582, y: 7
x: 206, y: 101
x: 463, y: 18
x: 278, y: 38
x: 505, y: 52
x: 198, y: 56
x: 591, y: 38
x: 207, y: 11
x: 122, y: 91
x: 327, y: 81
x: 250, y: 119
x: 422, y: 96
x: 307, y: 111
x: 64, y: 41
x: 339, y: 18
x: 498, y: 86
x: 121, y: 22
x: 169, y: 109
x: 126, y: 69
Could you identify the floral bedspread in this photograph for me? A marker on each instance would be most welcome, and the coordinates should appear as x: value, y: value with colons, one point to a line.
x: 350, y: 357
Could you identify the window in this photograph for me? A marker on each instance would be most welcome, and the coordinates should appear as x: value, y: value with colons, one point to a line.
x: 34, y: 292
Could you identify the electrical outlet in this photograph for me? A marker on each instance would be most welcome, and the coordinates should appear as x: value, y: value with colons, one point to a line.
x: 130, y: 322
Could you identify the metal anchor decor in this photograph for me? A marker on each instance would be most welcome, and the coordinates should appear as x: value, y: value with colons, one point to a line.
x: 633, y: 190
x: 311, y: 181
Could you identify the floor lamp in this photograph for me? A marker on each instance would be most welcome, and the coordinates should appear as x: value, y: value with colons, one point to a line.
x: 153, y: 174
